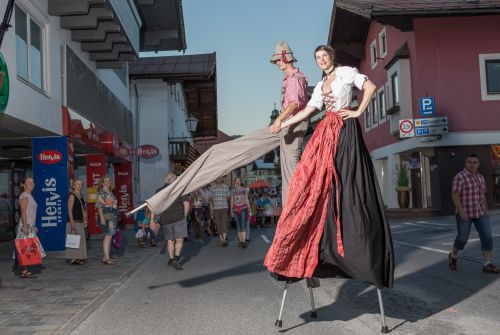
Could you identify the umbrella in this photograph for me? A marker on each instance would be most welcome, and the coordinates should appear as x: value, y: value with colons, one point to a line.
x: 259, y: 184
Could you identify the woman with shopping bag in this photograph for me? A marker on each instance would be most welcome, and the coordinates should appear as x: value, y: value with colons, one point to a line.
x: 28, y: 248
x: 76, y: 247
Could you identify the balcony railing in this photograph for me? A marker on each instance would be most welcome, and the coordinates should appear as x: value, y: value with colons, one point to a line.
x: 182, y: 151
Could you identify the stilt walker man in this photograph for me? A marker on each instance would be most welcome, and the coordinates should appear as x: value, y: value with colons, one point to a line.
x: 223, y: 158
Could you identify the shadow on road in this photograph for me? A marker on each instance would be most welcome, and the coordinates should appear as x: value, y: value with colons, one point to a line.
x: 419, y: 300
x: 232, y: 272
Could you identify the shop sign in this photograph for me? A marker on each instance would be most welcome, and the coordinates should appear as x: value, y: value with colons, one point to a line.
x: 50, y: 173
x: 148, y: 151
x: 4, y: 84
x: 50, y: 157
x: 123, y: 188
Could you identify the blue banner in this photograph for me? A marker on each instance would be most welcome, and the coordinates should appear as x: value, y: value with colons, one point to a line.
x: 50, y: 172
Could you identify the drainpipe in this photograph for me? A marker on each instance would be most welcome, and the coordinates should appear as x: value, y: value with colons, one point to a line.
x: 137, y: 139
x: 6, y: 19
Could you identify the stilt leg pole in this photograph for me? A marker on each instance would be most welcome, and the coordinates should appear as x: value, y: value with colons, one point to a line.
x: 384, y: 330
x: 313, y: 308
x: 279, y: 322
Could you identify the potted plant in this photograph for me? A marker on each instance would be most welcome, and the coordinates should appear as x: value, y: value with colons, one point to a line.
x: 403, y: 185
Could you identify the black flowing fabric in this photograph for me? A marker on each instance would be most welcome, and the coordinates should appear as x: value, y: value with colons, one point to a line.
x: 366, y: 236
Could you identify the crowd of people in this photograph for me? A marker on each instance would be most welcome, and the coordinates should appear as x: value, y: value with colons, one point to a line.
x: 210, y: 210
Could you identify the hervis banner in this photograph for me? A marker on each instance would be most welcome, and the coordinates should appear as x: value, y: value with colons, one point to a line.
x: 50, y: 172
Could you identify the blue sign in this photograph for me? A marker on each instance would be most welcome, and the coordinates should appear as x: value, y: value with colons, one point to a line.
x: 421, y: 131
x: 434, y: 130
x: 427, y: 106
x: 50, y: 172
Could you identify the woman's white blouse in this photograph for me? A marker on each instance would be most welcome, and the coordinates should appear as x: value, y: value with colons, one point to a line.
x: 341, y: 88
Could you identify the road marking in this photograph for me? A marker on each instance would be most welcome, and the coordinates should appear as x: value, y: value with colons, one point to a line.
x: 441, y: 251
x: 264, y: 237
x: 421, y: 224
x: 396, y: 226
x: 405, y: 231
x: 471, y: 240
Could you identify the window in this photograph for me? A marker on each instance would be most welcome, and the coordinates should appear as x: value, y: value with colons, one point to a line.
x: 382, y: 41
x: 395, y: 89
x: 493, y: 76
x: 29, y: 49
x: 367, y: 119
x: 373, y: 108
x: 373, y: 53
x: 381, y: 103
x: 489, y: 73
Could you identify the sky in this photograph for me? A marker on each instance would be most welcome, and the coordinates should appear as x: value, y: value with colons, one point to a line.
x: 244, y: 34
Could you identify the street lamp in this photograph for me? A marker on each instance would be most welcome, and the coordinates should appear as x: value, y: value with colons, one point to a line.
x: 191, y: 123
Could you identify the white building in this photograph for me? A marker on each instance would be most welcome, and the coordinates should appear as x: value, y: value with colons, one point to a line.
x: 68, y: 78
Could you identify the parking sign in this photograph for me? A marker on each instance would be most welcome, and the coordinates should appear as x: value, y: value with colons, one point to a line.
x: 427, y: 106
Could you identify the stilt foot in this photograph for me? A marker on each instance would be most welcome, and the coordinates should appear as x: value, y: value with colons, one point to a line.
x: 384, y: 330
x: 279, y: 323
x: 314, y: 315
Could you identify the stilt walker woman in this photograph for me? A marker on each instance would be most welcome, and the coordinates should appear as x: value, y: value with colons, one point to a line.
x: 333, y: 221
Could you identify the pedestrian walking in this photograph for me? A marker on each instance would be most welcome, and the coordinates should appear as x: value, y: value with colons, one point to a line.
x: 77, y: 219
x: 219, y: 197
x: 469, y: 198
x: 107, y: 208
x: 333, y: 221
x: 197, y: 215
x: 174, y: 224
x: 240, y: 211
x: 26, y: 227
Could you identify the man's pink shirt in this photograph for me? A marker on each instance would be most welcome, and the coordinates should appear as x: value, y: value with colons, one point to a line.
x: 294, y: 88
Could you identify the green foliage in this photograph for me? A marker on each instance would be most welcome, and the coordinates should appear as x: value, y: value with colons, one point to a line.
x: 402, y: 175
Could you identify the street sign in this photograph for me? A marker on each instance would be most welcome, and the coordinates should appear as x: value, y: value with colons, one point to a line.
x: 430, y: 138
x: 406, y: 128
x: 432, y: 121
x: 426, y: 131
x: 427, y: 106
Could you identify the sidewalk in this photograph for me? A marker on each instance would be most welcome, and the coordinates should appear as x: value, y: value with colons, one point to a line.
x: 63, y: 295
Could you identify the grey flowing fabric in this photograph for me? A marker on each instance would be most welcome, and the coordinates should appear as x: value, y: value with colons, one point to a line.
x: 217, y: 161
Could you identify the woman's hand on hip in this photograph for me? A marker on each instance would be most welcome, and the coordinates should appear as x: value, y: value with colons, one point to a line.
x: 349, y: 114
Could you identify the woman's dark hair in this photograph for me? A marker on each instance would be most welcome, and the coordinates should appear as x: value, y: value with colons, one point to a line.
x: 329, y: 50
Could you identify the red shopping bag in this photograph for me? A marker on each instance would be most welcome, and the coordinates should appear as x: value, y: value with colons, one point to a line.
x: 28, y: 251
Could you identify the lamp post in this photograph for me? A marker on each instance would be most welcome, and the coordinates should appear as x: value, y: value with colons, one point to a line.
x: 191, y: 123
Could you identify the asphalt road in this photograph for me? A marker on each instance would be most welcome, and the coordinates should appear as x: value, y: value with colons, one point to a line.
x: 228, y: 291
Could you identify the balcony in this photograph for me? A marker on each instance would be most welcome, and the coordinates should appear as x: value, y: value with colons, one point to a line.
x: 115, y: 31
x: 182, y: 154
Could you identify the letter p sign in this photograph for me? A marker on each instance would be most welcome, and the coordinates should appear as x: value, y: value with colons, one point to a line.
x: 427, y: 106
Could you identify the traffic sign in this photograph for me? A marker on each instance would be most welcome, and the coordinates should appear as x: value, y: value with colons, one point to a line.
x: 406, y: 128
x: 426, y: 131
x: 427, y: 106
x: 430, y: 138
x: 432, y: 121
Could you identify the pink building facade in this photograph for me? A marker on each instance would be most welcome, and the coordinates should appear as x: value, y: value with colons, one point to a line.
x: 456, y: 60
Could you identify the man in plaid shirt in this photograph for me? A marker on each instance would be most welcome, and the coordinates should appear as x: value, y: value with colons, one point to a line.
x: 219, y: 196
x: 469, y: 198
